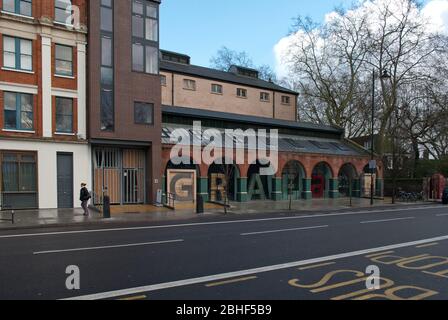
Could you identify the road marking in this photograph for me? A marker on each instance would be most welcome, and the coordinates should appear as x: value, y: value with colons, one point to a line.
x: 283, y: 230
x: 142, y: 297
x: 387, y: 220
x: 442, y: 215
x: 428, y: 245
x: 379, y: 254
x: 213, y: 223
x: 216, y: 284
x: 315, y: 266
x: 250, y: 272
x: 108, y: 247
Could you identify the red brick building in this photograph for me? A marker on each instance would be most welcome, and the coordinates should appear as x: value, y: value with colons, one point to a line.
x: 44, y: 154
x: 314, y: 161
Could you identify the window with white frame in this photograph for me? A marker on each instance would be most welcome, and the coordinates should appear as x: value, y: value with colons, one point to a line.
x: 22, y: 7
x: 241, y: 93
x: 64, y: 115
x: 17, y: 53
x: 63, y: 60
x: 18, y: 111
x: 217, y: 88
x: 163, y: 80
x: 264, y: 96
x: 63, y: 11
x: 189, y: 84
x: 286, y: 100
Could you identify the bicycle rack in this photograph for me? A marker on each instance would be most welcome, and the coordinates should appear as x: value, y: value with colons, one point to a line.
x: 4, y: 208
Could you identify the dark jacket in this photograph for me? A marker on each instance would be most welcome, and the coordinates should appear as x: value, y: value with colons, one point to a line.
x: 445, y: 196
x: 85, y: 194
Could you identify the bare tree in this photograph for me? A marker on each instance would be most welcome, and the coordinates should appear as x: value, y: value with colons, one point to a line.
x: 327, y: 62
x: 333, y: 64
x: 435, y: 139
x: 399, y: 42
x: 225, y: 58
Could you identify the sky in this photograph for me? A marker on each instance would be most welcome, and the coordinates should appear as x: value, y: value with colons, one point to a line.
x: 199, y: 28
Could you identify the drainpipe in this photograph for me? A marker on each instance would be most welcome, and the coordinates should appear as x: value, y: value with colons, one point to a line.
x: 172, y: 89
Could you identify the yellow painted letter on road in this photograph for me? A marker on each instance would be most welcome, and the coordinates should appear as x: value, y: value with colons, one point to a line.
x: 390, y: 259
x: 391, y: 294
x: 442, y: 274
x: 387, y: 284
x: 408, y: 264
x: 326, y: 279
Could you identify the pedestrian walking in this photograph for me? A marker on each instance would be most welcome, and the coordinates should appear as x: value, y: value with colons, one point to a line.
x: 84, y: 198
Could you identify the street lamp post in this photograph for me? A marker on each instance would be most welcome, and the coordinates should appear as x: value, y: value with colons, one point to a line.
x: 384, y: 75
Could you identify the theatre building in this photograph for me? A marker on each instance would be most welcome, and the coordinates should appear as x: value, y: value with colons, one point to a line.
x: 314, y: 161
x: 124, y: 104
x: 44, y: 153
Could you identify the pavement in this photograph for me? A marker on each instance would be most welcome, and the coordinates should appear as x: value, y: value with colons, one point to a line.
x: 74, y: 217
x: 327, y: 254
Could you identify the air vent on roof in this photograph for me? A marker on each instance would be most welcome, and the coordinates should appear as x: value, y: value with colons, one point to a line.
x: 174, y: 57
x: 243, y: 71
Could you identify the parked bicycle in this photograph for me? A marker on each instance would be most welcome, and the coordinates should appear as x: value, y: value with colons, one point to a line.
x: 411, y: 196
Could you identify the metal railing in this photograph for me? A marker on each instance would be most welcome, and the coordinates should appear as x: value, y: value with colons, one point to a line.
x: 6, y: 209
x: 170, y: 201
x: 98, y: 201
x: 410, y: 196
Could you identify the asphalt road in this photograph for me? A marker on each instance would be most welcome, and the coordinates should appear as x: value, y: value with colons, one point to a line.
x: 318, y: 256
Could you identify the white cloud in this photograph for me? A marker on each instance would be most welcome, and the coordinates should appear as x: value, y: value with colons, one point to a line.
x: 436, y: 12
x: 280, y: 50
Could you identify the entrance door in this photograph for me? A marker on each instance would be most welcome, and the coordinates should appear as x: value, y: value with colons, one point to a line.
x: 131, y: 185
x: 120, y: 174
x: 318, y: 186
x: 65, y: 180
x: 134, y: 176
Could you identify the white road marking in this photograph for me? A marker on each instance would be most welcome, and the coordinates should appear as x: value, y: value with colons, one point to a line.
x: 387, y: 220
x: 249, y: 272
x: 284, y: 230
x: 108, y: 247
x: 442, y: 215
x: 212, y: 223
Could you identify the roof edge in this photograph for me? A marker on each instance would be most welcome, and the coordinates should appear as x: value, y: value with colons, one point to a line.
x: 216, y: 115
x: 279, y: 87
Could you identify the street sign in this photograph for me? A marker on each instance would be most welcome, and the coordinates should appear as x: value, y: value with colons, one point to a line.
x: 372, y: 164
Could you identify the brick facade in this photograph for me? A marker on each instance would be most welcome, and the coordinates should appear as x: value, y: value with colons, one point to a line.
x: 42, y: 83
x: 43, y: 13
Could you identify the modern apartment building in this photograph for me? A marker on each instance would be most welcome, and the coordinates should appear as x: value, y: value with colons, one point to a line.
x: 44, y: 153
x: 124, y: 104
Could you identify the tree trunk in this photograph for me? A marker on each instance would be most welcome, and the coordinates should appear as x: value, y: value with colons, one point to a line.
x: 415, y: 148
